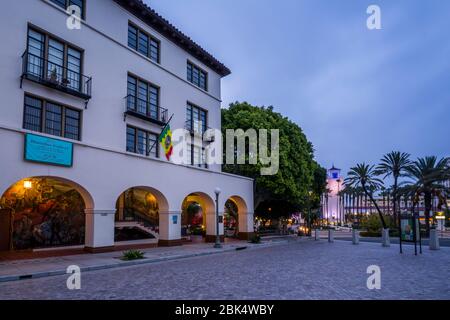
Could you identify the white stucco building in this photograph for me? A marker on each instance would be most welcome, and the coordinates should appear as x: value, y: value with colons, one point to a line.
x: 106, y: 90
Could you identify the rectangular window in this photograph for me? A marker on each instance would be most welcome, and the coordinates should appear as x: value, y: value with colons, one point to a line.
x: 51, y: 118
x: 72, y: 124
x: 196, y: 156
x: 144, y: 43
x: 132, y: 37
x: 197, y: 76
x: 196, y: 119
x: 142, y: 142
x: 57, y: 61
x: 143, y: 97
x: 32, y: 114
x: 131, y: 144
x: 67, y: 3
x: 36, y: 49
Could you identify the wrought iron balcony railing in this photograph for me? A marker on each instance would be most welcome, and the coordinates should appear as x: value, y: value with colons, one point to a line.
x: 196, y: 127
x: 145, y: 110
x: 43, y: 71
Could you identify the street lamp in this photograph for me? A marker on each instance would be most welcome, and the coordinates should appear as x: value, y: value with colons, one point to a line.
x: 338, y: 201
x: 27, y: 184
x: 310, y: 193
x: 217, y: 245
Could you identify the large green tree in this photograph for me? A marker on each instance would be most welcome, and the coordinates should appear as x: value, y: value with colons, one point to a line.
x: 289, y: 187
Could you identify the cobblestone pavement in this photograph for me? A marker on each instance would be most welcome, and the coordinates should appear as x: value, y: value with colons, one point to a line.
x: 300, y: 270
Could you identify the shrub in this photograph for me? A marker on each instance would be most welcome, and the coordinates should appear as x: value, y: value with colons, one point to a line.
x: 392, y: 233
x: 372, y: 223
x: 369, y: 234
x: 132, y: 255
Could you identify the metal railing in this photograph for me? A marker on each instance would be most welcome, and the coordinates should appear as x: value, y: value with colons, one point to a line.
x: 144, y: 109
x: 196, y: 127
x: 51, y: 74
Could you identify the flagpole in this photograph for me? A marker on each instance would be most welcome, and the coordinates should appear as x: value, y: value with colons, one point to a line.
x: 157, y: 140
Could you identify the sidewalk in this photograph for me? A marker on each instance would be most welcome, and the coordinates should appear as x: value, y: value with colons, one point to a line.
x: 45, y: 267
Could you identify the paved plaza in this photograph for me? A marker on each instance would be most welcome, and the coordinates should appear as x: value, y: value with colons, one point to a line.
x: 304, y: 269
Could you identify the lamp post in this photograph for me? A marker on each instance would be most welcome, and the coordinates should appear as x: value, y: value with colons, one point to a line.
x: 217, y: 245
x: 309, y: 213
x: 338, y: 201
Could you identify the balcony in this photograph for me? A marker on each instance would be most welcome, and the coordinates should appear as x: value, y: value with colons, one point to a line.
x: 47, y: 73
x: 142, y: 109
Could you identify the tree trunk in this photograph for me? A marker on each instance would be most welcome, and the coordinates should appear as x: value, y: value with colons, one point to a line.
x: 394, y: 196
x: 427, y: 199
x: 383, y: 223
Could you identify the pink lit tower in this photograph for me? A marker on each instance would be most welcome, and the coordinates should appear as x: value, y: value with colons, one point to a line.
x: 332, y: 211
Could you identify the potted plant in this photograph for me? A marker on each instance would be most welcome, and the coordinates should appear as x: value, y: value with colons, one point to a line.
x: 53, y: 76
x: 65, y: 82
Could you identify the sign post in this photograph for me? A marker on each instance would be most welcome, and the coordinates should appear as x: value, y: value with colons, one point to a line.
x: 410, y: 231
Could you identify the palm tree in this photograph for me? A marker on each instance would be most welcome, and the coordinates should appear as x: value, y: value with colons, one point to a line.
x: 394, y: 164
x: 429, y: 174
x: 363, y: 175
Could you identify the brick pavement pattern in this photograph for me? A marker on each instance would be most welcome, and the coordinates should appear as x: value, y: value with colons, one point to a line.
x: 305, y: 269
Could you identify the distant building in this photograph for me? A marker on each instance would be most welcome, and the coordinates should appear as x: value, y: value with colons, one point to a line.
x: 331, y: 206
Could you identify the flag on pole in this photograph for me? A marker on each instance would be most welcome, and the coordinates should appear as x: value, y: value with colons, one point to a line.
x: 166, y: 141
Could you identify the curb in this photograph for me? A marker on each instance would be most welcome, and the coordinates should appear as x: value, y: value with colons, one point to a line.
x: 124, y: 264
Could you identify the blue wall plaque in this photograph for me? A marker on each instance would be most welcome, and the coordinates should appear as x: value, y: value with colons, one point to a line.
x: 47, y: 150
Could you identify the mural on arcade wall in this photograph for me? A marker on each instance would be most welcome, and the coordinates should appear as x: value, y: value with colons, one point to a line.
x: 230, y: 218
x: 192, y: 219
x: 48, y: 213
x: 140, y: 203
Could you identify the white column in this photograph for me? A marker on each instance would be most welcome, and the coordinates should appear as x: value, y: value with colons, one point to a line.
x: 170, y: 228
x: 211, y: 226
x: 99, y: 235
x: 246, y: 228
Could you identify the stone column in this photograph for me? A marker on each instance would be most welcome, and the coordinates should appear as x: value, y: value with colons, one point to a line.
x: 99, y: 235
x: 434, y: 240
x: 316, y: 234
x: 330, y: 235
x: 211, y: 227
x: 169, y: 229
x: 385, y: 241
x: 355, y: 236
x: 246, y: 228
x: 121, y: 206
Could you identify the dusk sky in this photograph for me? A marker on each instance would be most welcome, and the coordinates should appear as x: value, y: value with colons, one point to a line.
x: 356, y: 93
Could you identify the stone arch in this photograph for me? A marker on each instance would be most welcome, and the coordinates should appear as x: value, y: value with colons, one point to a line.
x: 43, y: 211
x: 196, y: 223
x: 235, y: 210
x: 245, y: 218
x: 87, y: 197
x: 140, y: 218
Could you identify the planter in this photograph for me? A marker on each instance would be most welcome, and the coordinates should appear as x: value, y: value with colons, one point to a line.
x: 434, y: 240
x: 355, y: 236
x: 330, y: 235
x: 317, y: 234
x: 385, y: 240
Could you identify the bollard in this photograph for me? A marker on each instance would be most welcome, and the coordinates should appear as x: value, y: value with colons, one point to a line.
x: 434, y: 240
x: 317, y: 234
x: 385, y: 241
x: 355, y: 236
x: 330, y: 235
